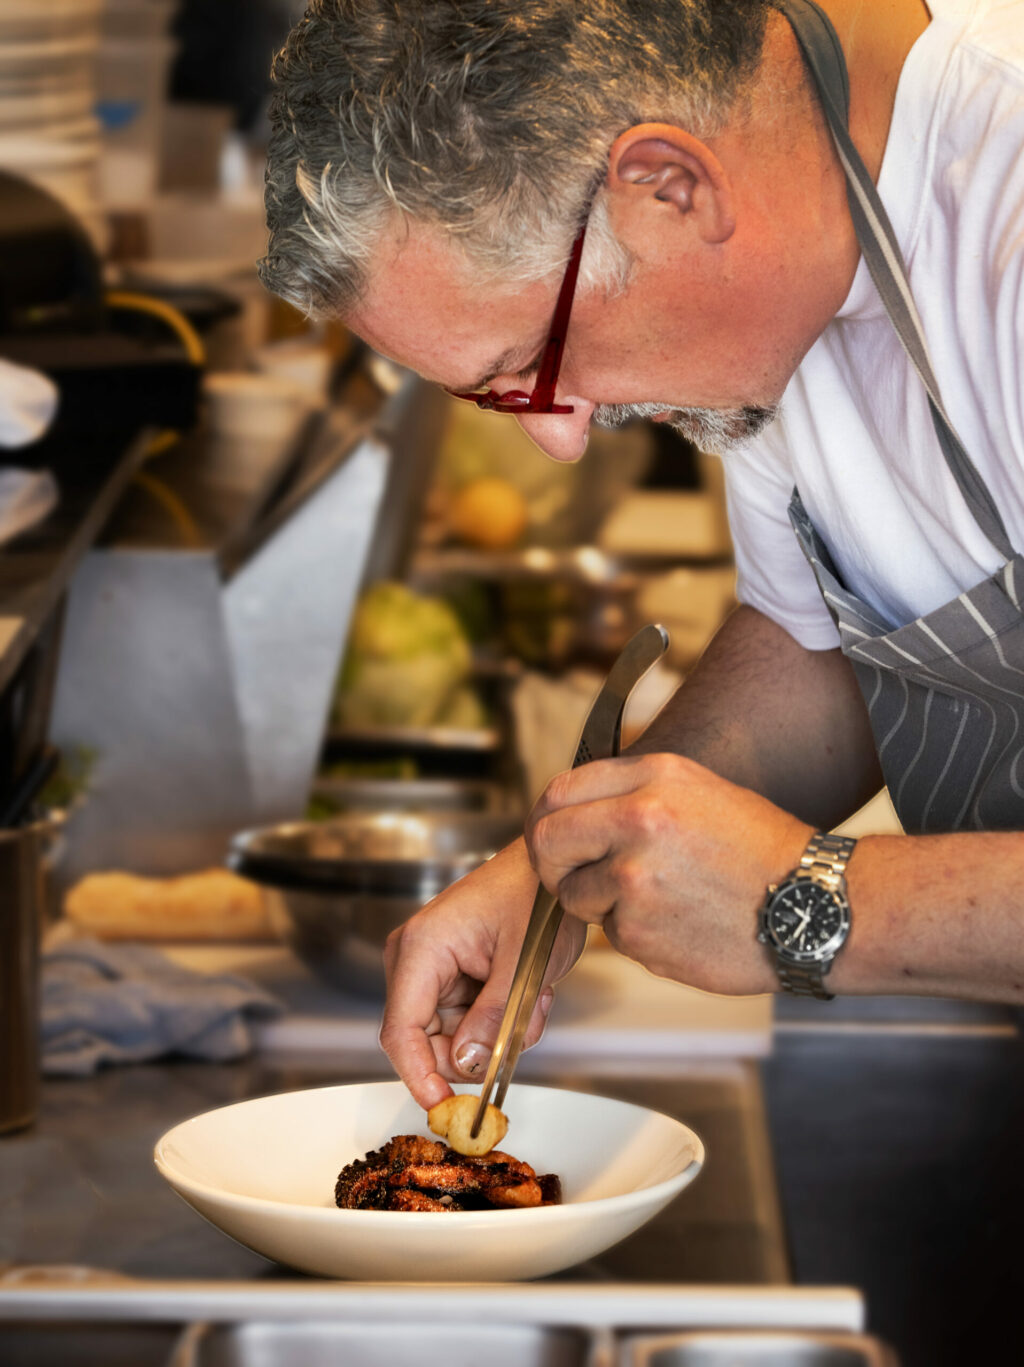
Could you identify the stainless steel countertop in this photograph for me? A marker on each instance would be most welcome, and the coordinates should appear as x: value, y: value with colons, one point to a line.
x: 101, y: 1264
x: 80, y: 1187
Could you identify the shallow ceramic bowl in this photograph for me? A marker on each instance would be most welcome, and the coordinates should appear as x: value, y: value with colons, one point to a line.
x: 263, y: 1171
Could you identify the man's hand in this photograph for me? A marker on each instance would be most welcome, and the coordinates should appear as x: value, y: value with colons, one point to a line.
x: 671, y: 860
x: 449, y: 969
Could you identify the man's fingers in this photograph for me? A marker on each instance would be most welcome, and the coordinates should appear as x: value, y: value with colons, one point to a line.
x: 413, y: 1055
x: 600, y: 778
x: 474, y: 1039
x: 591, y: 814
x: 572, y: 837
x: 449, y: 970
x: 471, y: 1055
x: 413, y: 1021
x: 589, y: 893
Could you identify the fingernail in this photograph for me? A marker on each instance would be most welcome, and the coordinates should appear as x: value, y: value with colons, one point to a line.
x: 471, y: 1058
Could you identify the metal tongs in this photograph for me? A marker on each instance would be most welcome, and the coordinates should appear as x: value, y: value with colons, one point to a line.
x: 600, y: 739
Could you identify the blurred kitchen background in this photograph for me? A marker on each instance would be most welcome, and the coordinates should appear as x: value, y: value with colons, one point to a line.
x: 267, y: 600
x: 299, y: 573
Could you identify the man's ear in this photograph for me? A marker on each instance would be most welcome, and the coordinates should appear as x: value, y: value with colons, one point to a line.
x: 662, y: 162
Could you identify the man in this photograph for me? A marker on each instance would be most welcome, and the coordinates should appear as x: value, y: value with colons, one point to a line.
x: 431, y: 166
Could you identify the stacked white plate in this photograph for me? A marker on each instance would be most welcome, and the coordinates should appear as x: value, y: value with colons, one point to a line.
x: 48, y: 130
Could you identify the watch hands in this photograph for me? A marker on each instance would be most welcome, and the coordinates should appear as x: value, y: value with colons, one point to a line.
x: 805, y: 919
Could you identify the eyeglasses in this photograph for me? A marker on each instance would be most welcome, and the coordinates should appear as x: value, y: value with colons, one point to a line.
x: 542, y: 398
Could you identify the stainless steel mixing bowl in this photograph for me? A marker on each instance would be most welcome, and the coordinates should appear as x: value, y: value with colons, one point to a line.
x: 339, y: 887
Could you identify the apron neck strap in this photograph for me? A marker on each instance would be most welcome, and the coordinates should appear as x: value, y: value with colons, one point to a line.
x: 823, y: 53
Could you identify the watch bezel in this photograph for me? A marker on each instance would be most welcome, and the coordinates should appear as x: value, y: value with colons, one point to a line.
x: 823, y: 952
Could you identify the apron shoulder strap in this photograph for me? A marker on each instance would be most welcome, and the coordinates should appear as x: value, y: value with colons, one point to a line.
x: 823, y: 53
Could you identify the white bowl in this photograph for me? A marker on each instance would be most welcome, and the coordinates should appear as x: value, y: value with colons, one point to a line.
x: 264, y: 1172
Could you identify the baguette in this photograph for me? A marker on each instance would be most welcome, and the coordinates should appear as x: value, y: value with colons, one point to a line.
x: 214, y: 904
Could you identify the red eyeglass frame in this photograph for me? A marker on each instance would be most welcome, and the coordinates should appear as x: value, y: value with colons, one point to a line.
x: 542, y: 399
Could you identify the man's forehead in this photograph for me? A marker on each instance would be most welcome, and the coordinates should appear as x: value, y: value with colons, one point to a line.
x: 426, y: 307
x: 410, y: 262
x: 403, y: 238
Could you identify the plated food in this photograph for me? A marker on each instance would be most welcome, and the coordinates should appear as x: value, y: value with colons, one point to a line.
x: 410, y: 1172
x: 263, y: 1171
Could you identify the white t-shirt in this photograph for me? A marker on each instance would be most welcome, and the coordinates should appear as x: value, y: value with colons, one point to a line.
x: 854, y: 433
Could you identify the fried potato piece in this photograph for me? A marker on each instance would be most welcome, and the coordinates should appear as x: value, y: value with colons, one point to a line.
x: 453, y: 1120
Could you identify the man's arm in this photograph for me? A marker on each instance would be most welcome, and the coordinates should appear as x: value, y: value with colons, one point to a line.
x: 767, y: 714
x: 936, y: 915
x: 673, y: 857
x: 757, y: 703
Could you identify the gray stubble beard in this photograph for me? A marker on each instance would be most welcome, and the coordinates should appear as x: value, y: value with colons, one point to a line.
x: 715, y: 430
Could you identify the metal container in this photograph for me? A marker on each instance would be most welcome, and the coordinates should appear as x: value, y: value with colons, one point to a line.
x: 756, y: 1348
x: 22, y: 909
x: 398, y: 1345
x: 338, y: 796
x: 341, y: 886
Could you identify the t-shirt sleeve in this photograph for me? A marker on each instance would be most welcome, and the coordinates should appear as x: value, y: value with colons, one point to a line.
x: 772, y: 573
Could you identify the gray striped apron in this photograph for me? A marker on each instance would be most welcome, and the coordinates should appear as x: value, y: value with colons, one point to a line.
x: 945, y: 693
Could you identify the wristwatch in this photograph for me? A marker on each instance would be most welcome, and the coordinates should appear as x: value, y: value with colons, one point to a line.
x: 805, y: 919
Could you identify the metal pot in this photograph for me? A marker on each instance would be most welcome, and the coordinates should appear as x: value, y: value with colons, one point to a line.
x: 340, y: 796
x: 339, y: 887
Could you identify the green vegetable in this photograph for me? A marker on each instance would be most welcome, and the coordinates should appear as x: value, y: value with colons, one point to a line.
x: 407, y: 656
x: 464, y: 711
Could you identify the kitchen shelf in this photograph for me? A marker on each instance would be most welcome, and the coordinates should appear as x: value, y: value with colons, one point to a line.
x: 36, y: 567
x: 581, y: 566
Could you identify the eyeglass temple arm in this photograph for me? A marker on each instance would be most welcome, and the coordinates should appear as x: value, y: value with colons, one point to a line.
x: 551, y: 361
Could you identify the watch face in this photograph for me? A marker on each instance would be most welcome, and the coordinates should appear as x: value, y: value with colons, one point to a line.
x: 806, y: 921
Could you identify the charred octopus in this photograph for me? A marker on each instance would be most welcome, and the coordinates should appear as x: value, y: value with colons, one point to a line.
x: 413, y: 1173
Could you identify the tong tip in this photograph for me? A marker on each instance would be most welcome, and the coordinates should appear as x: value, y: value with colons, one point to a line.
x: 474, y: 1129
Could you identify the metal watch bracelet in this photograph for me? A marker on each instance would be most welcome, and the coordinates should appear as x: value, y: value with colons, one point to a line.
x: 800, y: 981
x: 825, y: 859
x: 836, y: 849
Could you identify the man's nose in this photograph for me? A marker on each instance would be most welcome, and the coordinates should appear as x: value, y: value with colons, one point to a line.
x: 562, y: 436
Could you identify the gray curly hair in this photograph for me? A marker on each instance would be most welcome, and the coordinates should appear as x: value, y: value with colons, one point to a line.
x: 490, y: 119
